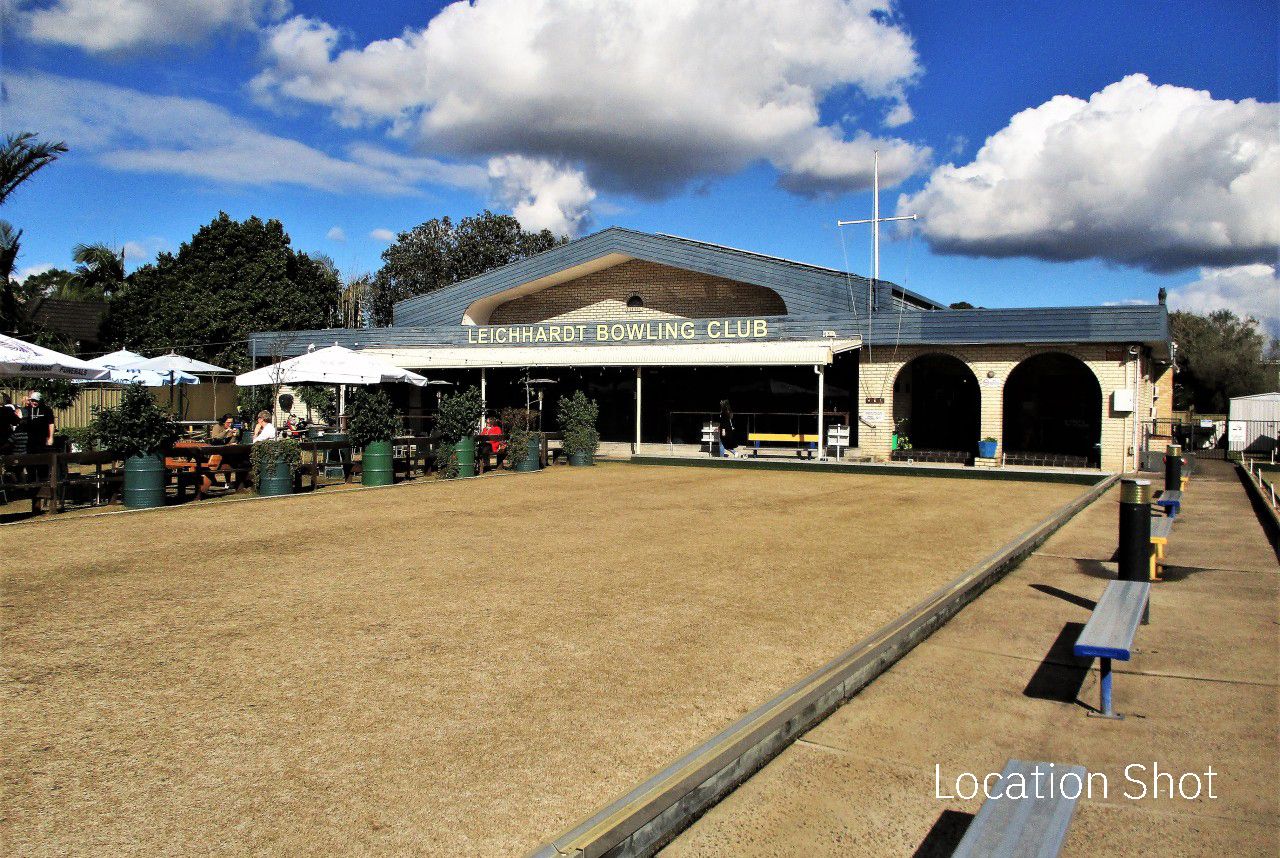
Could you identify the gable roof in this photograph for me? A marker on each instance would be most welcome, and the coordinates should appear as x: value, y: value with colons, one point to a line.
x: 78, y: 321
x: 805, y: 289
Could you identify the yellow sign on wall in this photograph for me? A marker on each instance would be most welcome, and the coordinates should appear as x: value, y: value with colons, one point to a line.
x: 620, y: 332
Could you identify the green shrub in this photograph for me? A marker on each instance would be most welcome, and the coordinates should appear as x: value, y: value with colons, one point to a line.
x: 251, y: 400
x: 577, y: 416
x: 373, y: 417
x: 446, y: 461
x: 267, y: 455
x: 82, y: 438
x: 515, y: 425
x: 321, y: 400
x: 459, y: 415
x: 135, y: 427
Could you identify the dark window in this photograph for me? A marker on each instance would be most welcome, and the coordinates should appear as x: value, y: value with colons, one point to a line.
x: 635, y: 301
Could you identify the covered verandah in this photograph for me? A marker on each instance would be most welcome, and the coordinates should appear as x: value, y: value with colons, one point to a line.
x: 655, y: 382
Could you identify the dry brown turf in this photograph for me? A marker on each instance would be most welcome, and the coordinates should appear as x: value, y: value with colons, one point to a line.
x: 469, y: 666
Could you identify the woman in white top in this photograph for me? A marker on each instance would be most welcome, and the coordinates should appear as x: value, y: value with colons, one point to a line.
x: 265, y: 430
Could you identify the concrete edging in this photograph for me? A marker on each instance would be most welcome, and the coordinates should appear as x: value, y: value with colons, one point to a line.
x: 1271, y: 522
x: 1085, y: 479
x: 648, y: 817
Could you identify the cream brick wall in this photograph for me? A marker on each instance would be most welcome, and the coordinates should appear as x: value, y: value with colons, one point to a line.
x: 666, y: 292
x: 1111, y: 364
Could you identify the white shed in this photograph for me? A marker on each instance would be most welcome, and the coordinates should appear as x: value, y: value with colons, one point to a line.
x: 1254, y: 423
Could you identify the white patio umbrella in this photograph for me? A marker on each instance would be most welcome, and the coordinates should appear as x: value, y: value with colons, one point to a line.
x: 332, y: 365
x: 123, y: 369
x: 18, y: 357
x: 173, y: 363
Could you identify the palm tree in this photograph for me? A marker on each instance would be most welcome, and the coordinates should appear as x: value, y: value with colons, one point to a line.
x: 21, y: 155
x: 10, y: 243
x: 99, y: 271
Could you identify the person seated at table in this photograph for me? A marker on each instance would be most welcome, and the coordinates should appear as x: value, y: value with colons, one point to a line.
x: 497, y: 446
x: 264, y: 430
x: 224, y: 432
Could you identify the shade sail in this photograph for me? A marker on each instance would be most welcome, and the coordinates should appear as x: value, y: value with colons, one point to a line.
x: 174, y: 362
x: 771, y: 353
x: 332, y: 365
x: 123, y: 368
x: 18, y: 357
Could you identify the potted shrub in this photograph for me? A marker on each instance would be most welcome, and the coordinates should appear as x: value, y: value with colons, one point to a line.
x: 374, y: 422
x: 137, y: 429
x: 987, y: 448
x: 275, y: 463
x: 524, y: 447
x: 457, y: 422
x: 577, y: 416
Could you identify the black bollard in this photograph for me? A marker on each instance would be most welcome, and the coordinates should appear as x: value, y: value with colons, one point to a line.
x: 1173, y: 468
x: 1135, y: 533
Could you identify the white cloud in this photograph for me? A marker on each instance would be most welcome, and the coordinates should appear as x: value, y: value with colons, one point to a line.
x: 97, y: 26
x: 128, y: 130
x: 643, y: 97
x: 1161, y: 177
x: 136, y: 252
x: 32, y: 270
x: 1246, y: 290
x: 336, y: 233
x: 383, y: 234
x: 542, y: 195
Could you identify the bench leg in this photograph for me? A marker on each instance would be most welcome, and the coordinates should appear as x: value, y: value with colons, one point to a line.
x: 1104, y: 691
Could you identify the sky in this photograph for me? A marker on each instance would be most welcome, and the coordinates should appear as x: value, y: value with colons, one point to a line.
x: 1054, y: 153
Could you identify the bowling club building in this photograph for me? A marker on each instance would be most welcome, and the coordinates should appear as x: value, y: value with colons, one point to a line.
x: 660, y: 329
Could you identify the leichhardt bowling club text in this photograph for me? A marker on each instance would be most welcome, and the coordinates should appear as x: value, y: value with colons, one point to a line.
x: 615, y: 332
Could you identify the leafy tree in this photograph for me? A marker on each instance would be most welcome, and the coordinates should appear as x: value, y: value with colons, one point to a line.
x: 135, y: 427
x: 1220, y: 355
x: 321, y: 399
x: 54, y: 283
x: 231, y: 278
x: 373, y: 417
x: 21, y: 156
x: 439, y: 253
x: 99, y: 272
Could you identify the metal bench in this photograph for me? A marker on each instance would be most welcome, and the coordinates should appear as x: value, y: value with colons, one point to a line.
x: 804, y: 444
x: 1170, y: 502
x: 1110, y: 632
x: 1161, y: 530
x: 1032, y: 826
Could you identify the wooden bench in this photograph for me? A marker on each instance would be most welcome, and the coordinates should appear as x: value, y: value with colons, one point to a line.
x: 1170, y: 502
x: 1110, y: 632
x: 1161, y: 530
x: 1016, y: 826
x: 804, y: 444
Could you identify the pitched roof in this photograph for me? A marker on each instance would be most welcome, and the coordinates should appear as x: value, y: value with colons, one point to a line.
x: 805, y: 289
x: 79, y: 321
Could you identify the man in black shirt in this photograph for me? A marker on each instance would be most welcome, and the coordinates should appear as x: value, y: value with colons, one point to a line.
x: 9, y: 421
x: 37, y: 419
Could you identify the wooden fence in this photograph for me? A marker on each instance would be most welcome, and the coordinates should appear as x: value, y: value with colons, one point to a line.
x: 204, y: 401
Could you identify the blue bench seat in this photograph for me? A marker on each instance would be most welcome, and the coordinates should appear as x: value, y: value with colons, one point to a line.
x: 1030, y: 826
x: 1111, y: 629
x: 1170, y: 502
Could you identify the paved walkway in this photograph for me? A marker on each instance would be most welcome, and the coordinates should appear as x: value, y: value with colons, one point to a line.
x: 999, y: 681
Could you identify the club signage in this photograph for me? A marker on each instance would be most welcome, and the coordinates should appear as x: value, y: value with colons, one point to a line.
x: 620, y: 332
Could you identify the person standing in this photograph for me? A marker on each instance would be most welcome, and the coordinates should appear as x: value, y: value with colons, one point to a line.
x: 10, y: 420
x: 38, y: 421
x: 727, y: 433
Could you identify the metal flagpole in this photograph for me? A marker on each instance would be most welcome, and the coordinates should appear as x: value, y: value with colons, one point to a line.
x: 875, y: 220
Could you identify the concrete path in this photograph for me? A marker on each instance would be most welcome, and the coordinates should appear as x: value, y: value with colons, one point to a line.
x: 999, y: 681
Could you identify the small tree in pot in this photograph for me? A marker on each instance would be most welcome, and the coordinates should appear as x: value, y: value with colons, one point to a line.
x: 275, y: 464
x: 374, y: 422
x: 137, y: 429
x: 577, y: 416
x: 523, y: 446
x: 457, y: 422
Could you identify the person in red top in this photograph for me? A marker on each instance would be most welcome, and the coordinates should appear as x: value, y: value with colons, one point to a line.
x: 498, y: 447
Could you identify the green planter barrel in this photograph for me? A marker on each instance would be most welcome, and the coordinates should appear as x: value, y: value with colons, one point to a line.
x: 144, y: 481
x: 532, y: 460
x: 375, y: 464
x: 581, y: 459
x: 466, y: 453
x: 275, y: 480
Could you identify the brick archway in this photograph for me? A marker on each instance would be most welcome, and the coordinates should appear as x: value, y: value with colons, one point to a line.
x: 937, y: 402
x: 1052, y: 412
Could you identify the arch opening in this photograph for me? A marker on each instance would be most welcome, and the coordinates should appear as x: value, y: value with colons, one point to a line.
x: 1053, y: 412
x: 937, y: 406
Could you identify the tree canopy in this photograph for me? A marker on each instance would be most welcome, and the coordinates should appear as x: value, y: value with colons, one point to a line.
x: 1219, y: 356
x: 439, y: 253
x: 232, y: 278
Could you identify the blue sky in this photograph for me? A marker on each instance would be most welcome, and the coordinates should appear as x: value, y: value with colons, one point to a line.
x: 747, y: 124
